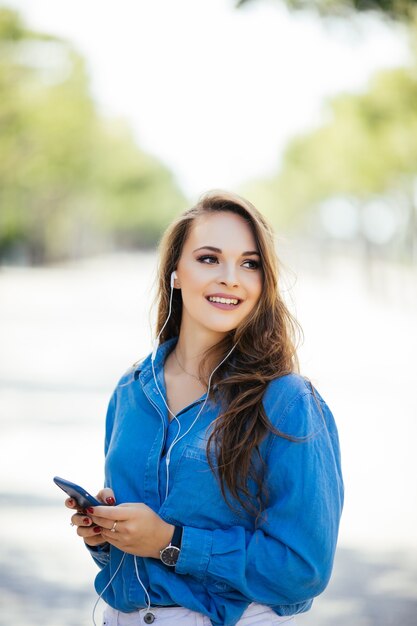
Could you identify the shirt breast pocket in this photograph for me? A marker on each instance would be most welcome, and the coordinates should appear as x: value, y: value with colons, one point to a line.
x: 195, y: 497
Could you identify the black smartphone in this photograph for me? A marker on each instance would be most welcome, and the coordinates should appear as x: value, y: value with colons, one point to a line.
x: 83, y: 498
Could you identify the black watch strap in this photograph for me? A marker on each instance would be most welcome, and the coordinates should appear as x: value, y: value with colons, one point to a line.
x: 177, y: 537
x: 169, y: 555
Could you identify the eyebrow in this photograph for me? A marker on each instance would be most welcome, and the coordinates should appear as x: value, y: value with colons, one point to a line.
x: 213, y: 249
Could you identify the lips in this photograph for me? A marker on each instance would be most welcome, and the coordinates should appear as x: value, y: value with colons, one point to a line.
x: 226, y: 296
x: 223, y: 301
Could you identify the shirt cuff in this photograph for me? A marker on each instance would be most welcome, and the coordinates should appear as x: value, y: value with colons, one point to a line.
x: 195, y: 552
x: 100, y: 553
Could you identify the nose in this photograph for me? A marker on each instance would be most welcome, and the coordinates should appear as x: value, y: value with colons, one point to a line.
x: 229, y: 276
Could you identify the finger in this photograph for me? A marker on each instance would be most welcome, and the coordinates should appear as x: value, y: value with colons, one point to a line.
x: 112, y: 536
x: 95, y: 541
x: 115, y: 538
x: 71, y: 503
x: 89, y: 532
x: 104, y: 522
x: 106, y: 495
x: 111, y: 513
x: 81, y: 520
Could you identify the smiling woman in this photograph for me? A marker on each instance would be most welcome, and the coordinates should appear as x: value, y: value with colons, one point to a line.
x: 221, y: 460
x: 225, y: 300
x: 213, y: 277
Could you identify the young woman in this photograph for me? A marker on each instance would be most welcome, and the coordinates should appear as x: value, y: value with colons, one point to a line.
x: 222, y: 463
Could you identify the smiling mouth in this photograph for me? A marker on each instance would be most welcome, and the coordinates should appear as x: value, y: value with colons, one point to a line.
x: 219, y: 300
x: 226, y: 304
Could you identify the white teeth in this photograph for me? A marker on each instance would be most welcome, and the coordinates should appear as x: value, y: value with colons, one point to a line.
x: 223, y: 300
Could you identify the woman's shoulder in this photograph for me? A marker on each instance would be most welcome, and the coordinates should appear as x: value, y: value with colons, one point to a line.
x: 287, y: 388
x: 292, y: 402
x: 130, y: 375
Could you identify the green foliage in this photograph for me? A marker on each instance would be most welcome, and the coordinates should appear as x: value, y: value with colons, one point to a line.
x: 368, y: 147
x: 124, y: 174
x: 70, y: 182
x: 394, y: 9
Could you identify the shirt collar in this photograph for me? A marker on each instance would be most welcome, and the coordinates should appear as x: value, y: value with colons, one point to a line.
x: 145, y: 368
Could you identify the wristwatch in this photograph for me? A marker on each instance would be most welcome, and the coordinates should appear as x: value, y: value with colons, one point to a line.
x: 170, y: 554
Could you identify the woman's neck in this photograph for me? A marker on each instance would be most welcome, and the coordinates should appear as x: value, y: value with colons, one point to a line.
x: 190, y: 351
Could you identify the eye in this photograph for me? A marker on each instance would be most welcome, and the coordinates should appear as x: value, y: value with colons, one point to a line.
x: 209, y: 259
x: 253, y: 265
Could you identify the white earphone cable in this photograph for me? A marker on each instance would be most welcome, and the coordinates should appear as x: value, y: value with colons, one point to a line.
x: 148, y: 600
x: 177, y: 438
x: 108, y: 584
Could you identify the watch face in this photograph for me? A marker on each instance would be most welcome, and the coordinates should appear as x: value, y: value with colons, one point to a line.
x: 169, y: 555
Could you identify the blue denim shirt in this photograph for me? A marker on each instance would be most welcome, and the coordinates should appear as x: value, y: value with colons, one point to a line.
x: 226, y: 562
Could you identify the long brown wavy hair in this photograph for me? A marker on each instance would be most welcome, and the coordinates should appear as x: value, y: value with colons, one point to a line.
x: 265, y: 349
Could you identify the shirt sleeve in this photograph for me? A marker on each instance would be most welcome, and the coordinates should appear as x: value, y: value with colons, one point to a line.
x: 100, y: 554
x: 288, y: 557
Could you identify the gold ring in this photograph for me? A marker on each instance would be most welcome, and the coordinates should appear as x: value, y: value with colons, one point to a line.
x: 113, y: 528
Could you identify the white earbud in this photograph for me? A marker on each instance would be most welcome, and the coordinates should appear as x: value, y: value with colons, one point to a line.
x: 173, y: 277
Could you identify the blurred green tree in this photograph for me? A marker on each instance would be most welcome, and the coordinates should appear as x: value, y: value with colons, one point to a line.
x: 394, y: 9
x: 70, y: 182
x: 367, y: 148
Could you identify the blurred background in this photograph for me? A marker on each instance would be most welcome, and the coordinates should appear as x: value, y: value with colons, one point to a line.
x: 116, y: 116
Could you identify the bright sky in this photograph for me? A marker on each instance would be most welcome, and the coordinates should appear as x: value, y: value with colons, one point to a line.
x: 214, y: 92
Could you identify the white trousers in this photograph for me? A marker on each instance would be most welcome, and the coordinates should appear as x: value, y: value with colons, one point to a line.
x: 255, y: 615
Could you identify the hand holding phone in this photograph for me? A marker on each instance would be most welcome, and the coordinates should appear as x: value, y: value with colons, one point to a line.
x: 81, y: 495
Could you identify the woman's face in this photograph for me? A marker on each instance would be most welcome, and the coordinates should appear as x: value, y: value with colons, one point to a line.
x: 219, y: 273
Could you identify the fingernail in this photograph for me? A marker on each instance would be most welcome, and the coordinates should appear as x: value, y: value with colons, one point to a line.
x: 90, y: 509
x: 97, y: 529
x: 110, y: 500
x: 71, y: 502
x: 86, y: 520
